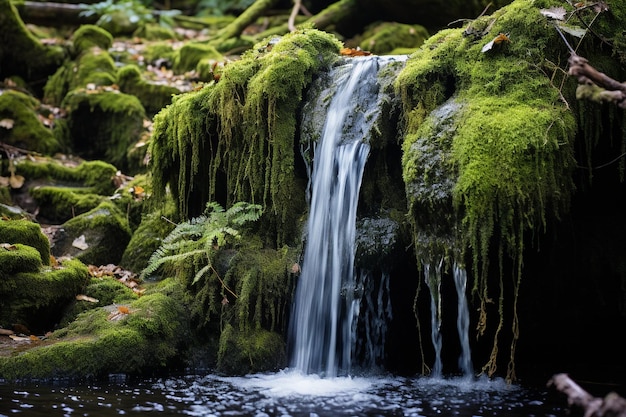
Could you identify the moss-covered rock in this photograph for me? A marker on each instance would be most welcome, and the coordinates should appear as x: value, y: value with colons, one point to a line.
x: 104, y: 231
x: 152, y: 96
x: 243, y: 352
x: 234, y: 139
x: 198, y: 57
x: 28, y: 233
x: 37, y: 298
x: 58, y: 190
x: 26, y: 130
x: 90, y: 36
x: 146, y: 335
x: 21, y: 53
x: 104, y: 125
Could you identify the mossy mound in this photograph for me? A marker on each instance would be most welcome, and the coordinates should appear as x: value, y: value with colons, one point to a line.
x: 234, y: 139
x: 152, y: 96
x: 105, y: 125
x: 391, y: 37
x: 144, y: 336
x: 21, y: 53
x: 36, y: 298
x: 28, y: 233
x: 26, y: 129
x: 192, y: 54
x: 103, y: 232
x: 63, y: 189
x: 251, y: 351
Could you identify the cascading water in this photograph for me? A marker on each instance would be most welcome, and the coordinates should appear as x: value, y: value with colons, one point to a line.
x: 433, y: 281
x: 321, y: 326
x: 462, y: 321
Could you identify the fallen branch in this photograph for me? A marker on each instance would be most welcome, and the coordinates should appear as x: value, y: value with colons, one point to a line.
x: 595, y: 85
x: 610, y: 406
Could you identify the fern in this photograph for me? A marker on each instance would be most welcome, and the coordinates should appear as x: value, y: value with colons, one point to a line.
x: 198, y: 239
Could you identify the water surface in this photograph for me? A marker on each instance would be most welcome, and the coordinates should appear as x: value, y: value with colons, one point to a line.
x: 281, y: 394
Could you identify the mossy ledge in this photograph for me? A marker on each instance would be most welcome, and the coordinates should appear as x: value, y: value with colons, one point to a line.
x: 496, y: 120
x: 234, y: 139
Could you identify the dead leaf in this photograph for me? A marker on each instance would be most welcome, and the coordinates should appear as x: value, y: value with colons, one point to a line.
x: 576, y: 31
x: 353, y: 52
x: 7, y: 123
x: 8, y: 246
x: 6, y: 332
x: 4, y: 181
x: 498, y: 40
x: 19, y: 338
x: 83, y: 297
x: 123, y: 309
x: 16, y: 181
x: 80, y: 243
x: 557, y: 13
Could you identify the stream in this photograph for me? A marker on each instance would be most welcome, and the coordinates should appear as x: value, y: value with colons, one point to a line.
x: 285, y: 393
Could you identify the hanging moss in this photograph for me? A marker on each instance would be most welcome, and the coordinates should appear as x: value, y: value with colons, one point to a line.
x: 28, y: 233
x: 240, y: 145
x: 27, y: 130
x: 251, y: 351
x: 510, y: 148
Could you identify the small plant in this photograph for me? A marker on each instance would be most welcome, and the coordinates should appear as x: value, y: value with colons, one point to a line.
x: 195, y: 242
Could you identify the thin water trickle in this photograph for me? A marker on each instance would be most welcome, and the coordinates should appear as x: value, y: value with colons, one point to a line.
x: 432, y: 276
x: 462, y: 321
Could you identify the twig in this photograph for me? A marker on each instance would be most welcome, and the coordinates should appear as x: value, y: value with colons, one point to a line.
x: 292, y: 17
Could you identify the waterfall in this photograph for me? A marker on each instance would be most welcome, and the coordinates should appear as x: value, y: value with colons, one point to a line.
x: 462, y: 321
x: 432, y: 276
x: 326, y: 299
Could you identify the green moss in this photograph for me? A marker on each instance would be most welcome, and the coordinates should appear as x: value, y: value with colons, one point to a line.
x: 96, y: 175
x: 154, y: 31
x: 250, y: 352
x: 147, y: 239
x: 159, y: 50
x: 188, y: 57
x: 59, y: 204
x: 89, y: 36
x: 28, y: 233
x: 235, y: 138
x: 103, y: 341
x: 27, y: 131
x: 152, y: 96
x: 387, y: 37
x: 21, y: 53
x: 14, y: 259
x: 264, y: 283
x: 503, y: 138
x: 37, y: 298
x: 105, y: 125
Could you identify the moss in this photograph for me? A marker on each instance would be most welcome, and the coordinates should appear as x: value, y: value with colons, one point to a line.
x: 104, y: 125
x: 37, y: 298
x: 107, y: 290
x: 147, y: 239
x: 28, y: 131
x: 234, y: 139
x: 188, y: 57
x: 152, y: 96
x: 96, y: 175
x: 510, y: 154
x: 250, y: 352
x: 28, y: 233
x: 153, y: 32
x: 159, y: 51
x: 106, y: 233
x: 385, y: 38
x: 90, y: 36
x: 100, y: 342
x: 264, y: 283
x: 21, y: 53
x: 17, y: 258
